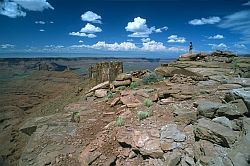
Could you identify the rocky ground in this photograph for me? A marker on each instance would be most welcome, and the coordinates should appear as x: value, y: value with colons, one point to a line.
x: 196, y: 113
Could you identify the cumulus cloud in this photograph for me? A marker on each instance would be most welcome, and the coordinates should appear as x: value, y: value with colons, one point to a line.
x: 90, y: 16
x: 81, y: 34
x: 80, y: 41
x: 41, y: 30
x: 240, y: 46
x: 17, y: 8
x: 161, y: 29
x: 153, y: 46
x: 5, y: 46
x: 51, y: 22
x: 203, y: 21
x: 11, y: 9
x: 139, y: 28
x: 238, y: 23
x: 220, y: 46
x: 176, y: 39
x: 39, y: 22
x: 144, y: 40
x: 101, y: 45
x: 89, y: 28
x: 216, y: 37
x: 246, y: 4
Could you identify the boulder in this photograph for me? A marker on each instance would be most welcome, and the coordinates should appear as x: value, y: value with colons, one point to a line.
x: 100, y: 93
x: 166, y: 101
x: 100, y: 86
x: 170, y: 131
x: 141, y: 140
x: 238, y: 108
x: 115, y: 101
x: 122, y: 83
x: 208, y: 108
x: 123, y: 76
x: 223, y: 121
x: 242, y: 93
x: 185, y: 116
x: 239, y: 155
x: 214, y: 132
x: 174, y: 159
x: 171, y: 137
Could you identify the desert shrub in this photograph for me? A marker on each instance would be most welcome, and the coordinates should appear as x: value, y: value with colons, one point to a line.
x: 121, y: 87
x: 110, y: 95
x: 119, y: 121
x: 148, y: 102
x: 75, y: 117
x: 152, y: 78
x: 144, y: 114
x: 133, y: 85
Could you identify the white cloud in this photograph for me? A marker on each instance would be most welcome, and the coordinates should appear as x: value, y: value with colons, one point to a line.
x: 54, y: 46
x: 177, y: 49
x: 4, y: 46
x: 139, y: 28
x: 153, y: 46
x: 203, y: 21
x: 89, y: 28
x: 41, y: 30
x: 80, y: 41
x: 51, y: 22
x: 16, y: 8
x: 11, y: 9
x: 160, y: 29
x: 220, y: 46
x: 176, y: 39
x: 216, y: 37
x: 39, y: 22
x: 34, y: 5
x: 124, y: 46
x: 144, y: 40
x: 81, y: 34
x: 240, y: 46
x: 90, y: 16
x: 246, y: 4
x: 238, y: 23
x: 147, y: 46
x: 101, y: 45
x: 88, y: 31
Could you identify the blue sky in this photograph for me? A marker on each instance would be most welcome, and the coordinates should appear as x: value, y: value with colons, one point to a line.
x: 150, y: 28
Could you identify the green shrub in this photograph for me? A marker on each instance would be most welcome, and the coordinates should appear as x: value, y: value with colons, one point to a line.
x: 110, y: 95
x: 144, y: 114
x: 119, y: 121
x: 152, y: 78
x: 148, y: 102
x: 133, y: 85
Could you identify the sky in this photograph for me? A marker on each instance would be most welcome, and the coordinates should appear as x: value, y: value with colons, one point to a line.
x: 128, y: 28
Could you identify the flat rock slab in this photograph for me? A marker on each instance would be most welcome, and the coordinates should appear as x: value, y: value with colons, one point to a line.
x: 47, y: 143
x: 208, y: 108
x: 130, y: 101
x: 214, y: 132
x: 30, y: 126
x: 147, y: 142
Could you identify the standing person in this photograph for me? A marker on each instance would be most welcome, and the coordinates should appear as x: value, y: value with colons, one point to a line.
x: 190, y: 47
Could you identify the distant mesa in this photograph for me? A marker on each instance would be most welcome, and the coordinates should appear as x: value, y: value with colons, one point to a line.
x: 52, y: 66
